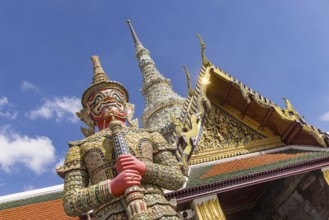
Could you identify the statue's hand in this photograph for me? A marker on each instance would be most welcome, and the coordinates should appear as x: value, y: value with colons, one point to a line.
x: 124, y: 180
x: 129, y: 162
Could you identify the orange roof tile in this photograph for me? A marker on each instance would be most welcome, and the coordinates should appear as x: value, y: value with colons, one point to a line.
x: 50, y: 210
x: 247, y: 163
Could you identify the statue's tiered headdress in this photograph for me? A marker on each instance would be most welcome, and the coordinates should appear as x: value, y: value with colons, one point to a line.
x: 100, y: 81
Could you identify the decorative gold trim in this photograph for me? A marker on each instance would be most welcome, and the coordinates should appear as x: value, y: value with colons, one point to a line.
x: 217, y: 154
x: 250, y: 122
x: 325, y: 174
x: 189, y: 128
x: 210, y: 210
x: 289, y: 113
x: 315, y: 133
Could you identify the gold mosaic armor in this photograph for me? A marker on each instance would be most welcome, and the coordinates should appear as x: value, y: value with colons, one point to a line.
x: 90, y: 165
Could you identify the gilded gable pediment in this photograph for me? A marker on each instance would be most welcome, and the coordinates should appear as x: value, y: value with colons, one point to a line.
x: 221, y: 130
x: 224, y: 136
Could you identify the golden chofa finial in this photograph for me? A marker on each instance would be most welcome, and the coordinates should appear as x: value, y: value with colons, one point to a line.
x: 290, y: 110
x: 189, y: 86
x: 99, y: 74
x: 205, y: 60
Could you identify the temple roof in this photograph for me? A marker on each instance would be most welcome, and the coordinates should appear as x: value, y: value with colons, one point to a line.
x: 239, y: 120
x: 269, y: 142
x: 241, y: 171
x: 242, y: 167
x: 31, y: 197
x: 251, y: 107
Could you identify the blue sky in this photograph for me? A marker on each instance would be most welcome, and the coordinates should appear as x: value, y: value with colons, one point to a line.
x: 278, y: 48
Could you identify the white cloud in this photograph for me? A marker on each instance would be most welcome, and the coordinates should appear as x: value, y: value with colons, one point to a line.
x: 28, y: 187
x: 25, y: 86
x: 35, y: 153
x: 59, y: 109
x: 10, y: 115
x: 4, y: 113
x: 3, y: 101
x: 325, y: 117
x: 60, y: 162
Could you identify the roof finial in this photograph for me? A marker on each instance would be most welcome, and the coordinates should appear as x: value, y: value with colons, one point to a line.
x: 189, y: 86
x: 133, y: 33
x: 290, y: 110
x: 205, y: 60
x: 99, y: 74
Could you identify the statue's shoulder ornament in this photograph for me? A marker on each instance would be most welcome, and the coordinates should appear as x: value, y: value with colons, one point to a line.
x: 98, y: 136
x: 160, y: 143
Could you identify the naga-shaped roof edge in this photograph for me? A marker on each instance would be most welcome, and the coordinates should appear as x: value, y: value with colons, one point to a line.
x: 286, y: 125
x: 288, y: 114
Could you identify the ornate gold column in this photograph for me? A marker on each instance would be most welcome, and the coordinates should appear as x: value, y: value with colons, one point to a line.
x: 208, y: 208
x: 325, y: 173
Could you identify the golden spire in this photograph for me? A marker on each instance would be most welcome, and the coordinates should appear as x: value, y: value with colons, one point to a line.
x: 99, y: 74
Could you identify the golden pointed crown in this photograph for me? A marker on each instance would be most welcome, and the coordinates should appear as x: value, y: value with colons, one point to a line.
x: 101, y: 81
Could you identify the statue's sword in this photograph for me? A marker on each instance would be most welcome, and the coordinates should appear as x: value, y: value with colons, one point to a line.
x: 136, y: 208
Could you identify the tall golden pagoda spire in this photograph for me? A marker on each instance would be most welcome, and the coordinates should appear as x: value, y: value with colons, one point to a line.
x: 160, y: 99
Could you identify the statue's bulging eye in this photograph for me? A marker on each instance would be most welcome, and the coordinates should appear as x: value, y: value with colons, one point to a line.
x: 117, y: 97
x: 98, y: 99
